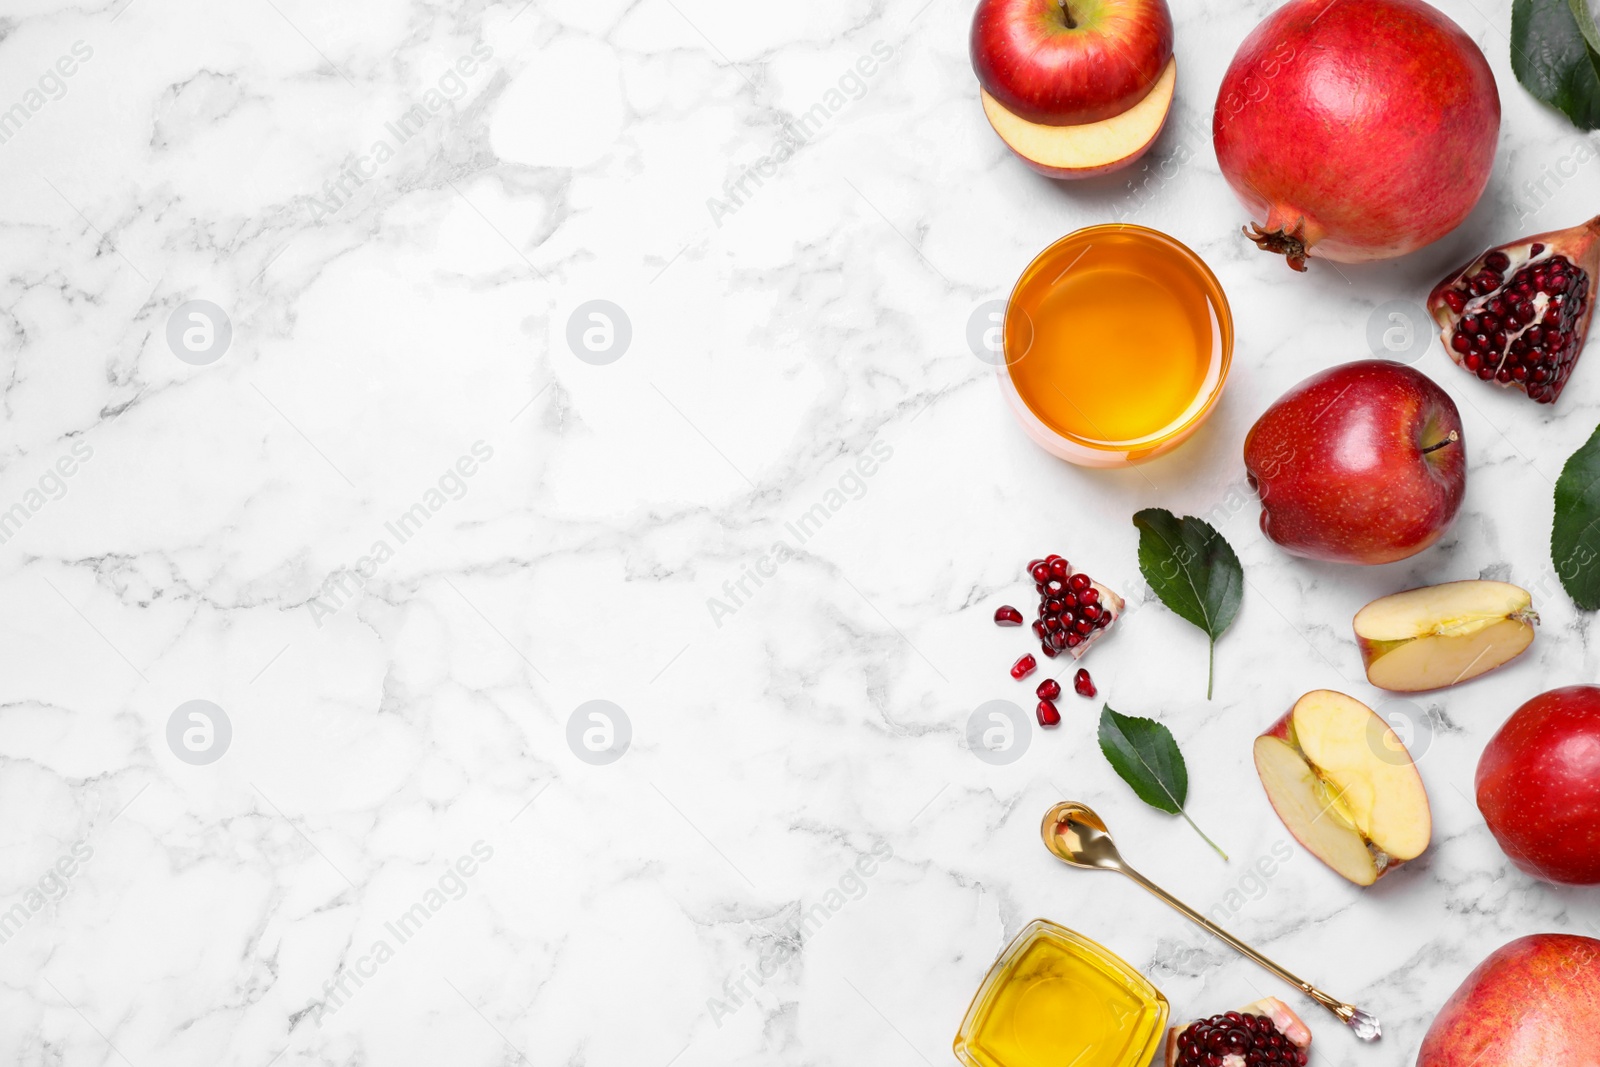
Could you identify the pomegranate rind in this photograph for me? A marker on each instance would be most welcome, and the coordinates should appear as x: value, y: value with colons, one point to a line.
x: 1579, y: 244
x: 1290, y: 1025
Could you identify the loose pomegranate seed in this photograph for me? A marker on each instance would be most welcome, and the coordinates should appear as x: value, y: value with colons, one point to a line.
x: 1082, y: 684
x: 1006, y: 615
x: 1048, y: 689
x: 1048, y: 715
x: 1023, y: 667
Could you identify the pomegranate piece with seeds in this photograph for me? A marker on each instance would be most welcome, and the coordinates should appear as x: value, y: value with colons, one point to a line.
x: 1264, y: 1034
x: 1082, y: 684
x: 1006, y: 615
x: 1023, y: 667
x: 1518, y: 315
x: 1048, y: 715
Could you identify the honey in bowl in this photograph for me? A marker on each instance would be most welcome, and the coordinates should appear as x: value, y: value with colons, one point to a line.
x: 1117, y: 343
x: 1056, y: 999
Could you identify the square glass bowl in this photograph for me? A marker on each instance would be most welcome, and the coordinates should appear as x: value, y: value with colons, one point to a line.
x: 1054, y: 998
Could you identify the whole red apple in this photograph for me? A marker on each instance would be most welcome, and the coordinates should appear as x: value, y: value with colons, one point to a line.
x: 1539, y: 786
x: 1068, y: 62
x: 1532, y: 1003
x: 1362, y: 463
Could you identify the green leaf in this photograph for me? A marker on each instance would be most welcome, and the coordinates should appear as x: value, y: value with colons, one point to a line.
x: 1193, y: 570
x: 1144, y: 754
x: 1575, y: 534
x: 1555, y: 54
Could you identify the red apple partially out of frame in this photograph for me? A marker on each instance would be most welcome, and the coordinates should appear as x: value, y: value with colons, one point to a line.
x: 1070, y: 62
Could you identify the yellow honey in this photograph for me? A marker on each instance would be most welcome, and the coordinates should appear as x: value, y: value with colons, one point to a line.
x: 1056, y: 999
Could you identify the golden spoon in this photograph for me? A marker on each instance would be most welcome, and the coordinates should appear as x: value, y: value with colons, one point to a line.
x: 1077, y: 836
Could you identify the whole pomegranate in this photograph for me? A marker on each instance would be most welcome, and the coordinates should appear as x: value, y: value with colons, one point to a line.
x: 1356, y: 129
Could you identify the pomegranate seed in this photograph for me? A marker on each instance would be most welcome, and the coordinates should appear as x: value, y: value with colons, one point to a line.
x: 1044, y: 646
x: 1235, y: 1037
x: 1090, y: 612
x: 1497, y: 261
x: 1082, y: 684
x: 1048, y: 715
x: 1023, y: 667
x: 1083, y: 626
x: 1040, y: 572
x: 1038, y: 627
x: 1059, y: 569
x: 1053, y: 622
x: 1006, y: 615
x: 1073, y: 640
x: 1048, y: 689
x: 1053, y: 607
x: 1078, y: 583
x: 1055, y: 587
x: 1051, y: 558
x: 1089, y: 596
x: 1058, y: 639
x: 1454, y: 298
x: 1534, y: 250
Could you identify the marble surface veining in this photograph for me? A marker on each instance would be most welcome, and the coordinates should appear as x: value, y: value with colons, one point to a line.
x: 406, y: 507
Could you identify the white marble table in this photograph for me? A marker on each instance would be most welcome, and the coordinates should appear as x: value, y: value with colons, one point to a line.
x: 398, y: 532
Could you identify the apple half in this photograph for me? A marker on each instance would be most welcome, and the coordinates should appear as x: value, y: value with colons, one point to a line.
x: 1094, y: 147
x: 1439, y: 635
x: 1345, y: 786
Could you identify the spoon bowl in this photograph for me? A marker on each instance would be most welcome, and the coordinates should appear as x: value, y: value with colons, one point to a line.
x: 1075, y: 835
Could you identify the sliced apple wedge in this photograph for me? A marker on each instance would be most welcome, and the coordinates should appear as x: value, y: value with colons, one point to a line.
x: 1094, y: 147
x: 1344, y: 786
x: 1443, y: 634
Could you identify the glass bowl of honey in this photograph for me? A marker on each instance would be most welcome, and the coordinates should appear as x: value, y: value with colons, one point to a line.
x: 1117, y: 342
x: 1055, y: 997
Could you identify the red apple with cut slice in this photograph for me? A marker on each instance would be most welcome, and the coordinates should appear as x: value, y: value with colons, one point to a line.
x: 1440, y: 635
x: 1533, y: 1003
x: 1093, y: 148
x: 1070, y: 62
x: 1345, y: 786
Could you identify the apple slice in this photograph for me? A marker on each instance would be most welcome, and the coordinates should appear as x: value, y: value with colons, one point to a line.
x: 1094, y: 147
x: 1344, y: 786
x: 1439, y: 635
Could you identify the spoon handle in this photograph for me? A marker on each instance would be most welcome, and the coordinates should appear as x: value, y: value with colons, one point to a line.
x: 1366, y: 1026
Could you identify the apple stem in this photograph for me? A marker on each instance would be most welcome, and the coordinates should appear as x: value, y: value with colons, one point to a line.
x: 1066, y: 15
x: 1202, y: 834
x: 1450, y: 440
